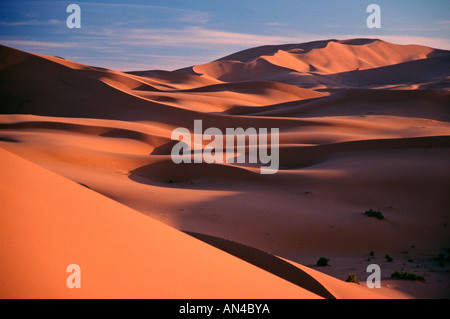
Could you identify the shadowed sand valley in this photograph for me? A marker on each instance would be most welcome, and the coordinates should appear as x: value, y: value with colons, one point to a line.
x: 87, y: 175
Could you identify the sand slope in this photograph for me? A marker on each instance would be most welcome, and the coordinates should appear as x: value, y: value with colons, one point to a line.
x: 363, y: 124
x: 53, y: 222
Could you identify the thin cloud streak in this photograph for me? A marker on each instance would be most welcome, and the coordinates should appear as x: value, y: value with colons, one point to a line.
x: 209, y: 39
x: 29, y: 23
x: 191, y: 37
x: 195, y: 17
x: 41, y: 44
x: 128, y: 5
x: 187, y: 15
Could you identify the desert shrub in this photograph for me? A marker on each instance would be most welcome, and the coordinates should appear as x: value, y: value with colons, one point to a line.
x: 352, y: 278
x: 388, y: 258
x: 374, y: 213
x: 322, y: 261
x: 407, y: 275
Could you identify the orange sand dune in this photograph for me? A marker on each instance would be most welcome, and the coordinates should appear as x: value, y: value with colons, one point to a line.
x: 122, y: 253
x: 296, y: 63
x: 363, y: 124
x: 53, y: 222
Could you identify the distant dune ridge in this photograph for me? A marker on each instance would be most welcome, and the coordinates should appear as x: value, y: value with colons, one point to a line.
x: 363, y: 123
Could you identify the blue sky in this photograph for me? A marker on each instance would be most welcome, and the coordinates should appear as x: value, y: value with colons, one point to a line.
x: 143, y: 35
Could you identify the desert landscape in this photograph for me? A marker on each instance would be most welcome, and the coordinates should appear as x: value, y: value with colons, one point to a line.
x: 87, y: 176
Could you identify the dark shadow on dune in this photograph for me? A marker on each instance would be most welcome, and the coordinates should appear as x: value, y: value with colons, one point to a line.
x: 166, y: 173
x: 76, y: 128
x: 164, y: 149
x: 358, y: 41
x: 84, y: 185
x: 254, y: 111
x: 123, y: 133
x: 438, y: 53
x: 101, y: 131
x: 248, y: 87
x: 300, y: 157
x: 266, y: 262
x: 347, y: 102
x: 69, y: 127
x: 9, y: 140
x: 436, y: 66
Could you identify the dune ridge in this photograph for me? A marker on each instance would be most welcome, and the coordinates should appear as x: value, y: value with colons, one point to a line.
x: 363, y: 123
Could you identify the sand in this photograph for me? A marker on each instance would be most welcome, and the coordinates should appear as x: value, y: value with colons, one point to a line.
x: 87, y: 177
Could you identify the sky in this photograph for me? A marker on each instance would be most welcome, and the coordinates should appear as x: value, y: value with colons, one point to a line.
x: 172, y: 34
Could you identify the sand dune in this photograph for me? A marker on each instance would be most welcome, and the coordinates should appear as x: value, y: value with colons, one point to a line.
x: 295, y: 64
x: 363, y: 124
x: 121, y: 253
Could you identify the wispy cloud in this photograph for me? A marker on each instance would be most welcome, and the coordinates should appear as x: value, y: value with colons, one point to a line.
x: 127, y: 5
x: 195, y: 17
x: 276, y: 24
x: 209, y: 39
x: 33, y: 22
x: 333, y: 26
x: 52, y: 48
x: 178, y: 14
x: 191, y: 37
x: 409, y: 28
x: 39, y: 44
x: 140, y: 62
